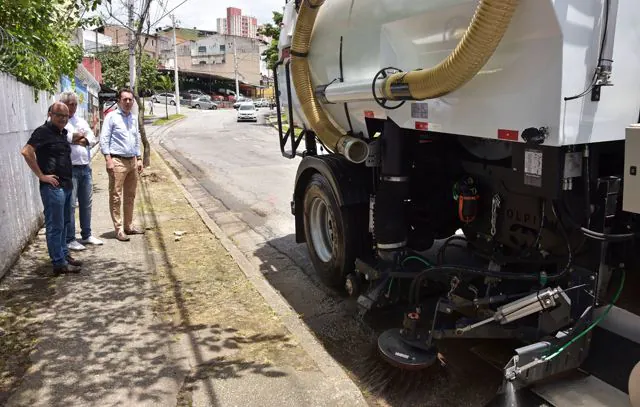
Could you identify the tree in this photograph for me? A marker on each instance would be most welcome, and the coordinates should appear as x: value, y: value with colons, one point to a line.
x: 165, y: 84
x: 35, y: 38
x: 272, y: 31
x: 141, y: 23
x: 115, y: 70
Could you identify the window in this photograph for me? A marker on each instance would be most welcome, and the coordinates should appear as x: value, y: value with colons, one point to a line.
x: 223, y: 48
x: 202, y: 49
x: 203, y: 62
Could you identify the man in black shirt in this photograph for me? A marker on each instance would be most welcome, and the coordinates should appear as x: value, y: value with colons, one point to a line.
x: 48, y: 154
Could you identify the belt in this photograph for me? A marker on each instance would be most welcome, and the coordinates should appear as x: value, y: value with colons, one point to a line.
x: 80, y: 165
x: 120, y: 156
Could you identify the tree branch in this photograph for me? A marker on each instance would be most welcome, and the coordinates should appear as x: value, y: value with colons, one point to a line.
x: 111, y: 14
x: 167, y: 13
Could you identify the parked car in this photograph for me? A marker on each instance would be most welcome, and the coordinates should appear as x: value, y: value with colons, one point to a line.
x: 240, y: 101
x: 108, y: 107
x: 263, y: 103
x: 247, y: 111
x: 164, y: 98
x: 196, y: 92
x: 203, y: 102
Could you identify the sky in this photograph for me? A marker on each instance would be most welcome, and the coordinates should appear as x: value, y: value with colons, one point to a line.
x: 203, y: 13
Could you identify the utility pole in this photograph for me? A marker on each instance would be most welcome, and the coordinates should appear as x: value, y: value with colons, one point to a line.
x: 132, y: 48
x: 235, y: 67
x: 175, y: 52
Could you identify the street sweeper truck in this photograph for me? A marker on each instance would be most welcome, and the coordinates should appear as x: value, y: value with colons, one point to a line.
x: 477, y: 163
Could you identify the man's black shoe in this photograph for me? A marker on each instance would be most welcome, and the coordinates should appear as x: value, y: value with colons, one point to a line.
x: 67, y: 269
x: 73, y: 261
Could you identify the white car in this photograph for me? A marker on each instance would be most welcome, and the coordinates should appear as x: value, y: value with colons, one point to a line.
x: 247, y: 111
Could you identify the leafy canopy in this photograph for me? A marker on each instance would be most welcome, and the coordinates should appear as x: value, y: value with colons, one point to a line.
x: 273, y: 31
x: 115, y: 70
x: 36, y: 35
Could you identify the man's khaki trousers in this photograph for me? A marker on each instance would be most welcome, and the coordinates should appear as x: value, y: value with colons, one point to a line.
x: 122, y: 191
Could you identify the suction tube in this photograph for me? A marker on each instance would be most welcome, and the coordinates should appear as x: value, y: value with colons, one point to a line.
x: 354, y: 149
x: 489, y: 23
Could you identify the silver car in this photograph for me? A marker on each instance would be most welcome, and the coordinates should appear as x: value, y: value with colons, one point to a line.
x: 164, y: 98
x: 203, y: 102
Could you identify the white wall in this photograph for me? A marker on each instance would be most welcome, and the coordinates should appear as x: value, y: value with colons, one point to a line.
x: 89, y: 42
x: 20, y: 206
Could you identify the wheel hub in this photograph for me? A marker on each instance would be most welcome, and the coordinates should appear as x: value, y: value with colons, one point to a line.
x: 322, y: 230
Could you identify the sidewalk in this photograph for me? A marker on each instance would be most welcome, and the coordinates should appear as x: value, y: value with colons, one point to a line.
x: 161, y: 320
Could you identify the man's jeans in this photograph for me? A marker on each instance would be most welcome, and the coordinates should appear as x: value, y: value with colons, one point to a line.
x: 82, y: 195
x: 57, y: 207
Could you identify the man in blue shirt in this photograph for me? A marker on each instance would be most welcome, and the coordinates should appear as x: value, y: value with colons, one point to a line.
x: 120, y: 145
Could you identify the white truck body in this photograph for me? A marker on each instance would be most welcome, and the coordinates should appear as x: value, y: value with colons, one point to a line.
x: 549, y: 52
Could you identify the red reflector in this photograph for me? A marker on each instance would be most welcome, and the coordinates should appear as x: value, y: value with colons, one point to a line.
x: 369, y: 113
x: 422, y: 126
x: 511, y: 135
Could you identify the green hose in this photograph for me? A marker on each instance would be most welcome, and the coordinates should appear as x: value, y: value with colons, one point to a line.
x: 420, y: 259
x: 593, y: 325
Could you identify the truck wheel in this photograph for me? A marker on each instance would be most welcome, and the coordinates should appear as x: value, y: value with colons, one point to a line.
x: 331, y: 232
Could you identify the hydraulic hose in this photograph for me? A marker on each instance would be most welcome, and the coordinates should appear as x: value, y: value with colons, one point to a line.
x: 354, y: 149
x: 489, y: 23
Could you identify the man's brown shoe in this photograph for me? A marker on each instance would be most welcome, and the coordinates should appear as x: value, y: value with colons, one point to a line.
x: 121, y: 236
x: 66, y: 269
x: 134, y: 231
x: 73, y: 261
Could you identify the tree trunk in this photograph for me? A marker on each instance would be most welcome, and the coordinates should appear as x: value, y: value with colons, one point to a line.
x: 146, y: 154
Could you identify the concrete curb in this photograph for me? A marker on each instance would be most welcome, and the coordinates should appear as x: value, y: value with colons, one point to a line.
x: 344, y: 385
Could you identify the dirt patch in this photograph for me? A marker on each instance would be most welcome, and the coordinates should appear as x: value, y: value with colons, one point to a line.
x: 202, y: 287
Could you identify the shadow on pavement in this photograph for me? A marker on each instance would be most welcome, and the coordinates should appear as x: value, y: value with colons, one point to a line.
x: 84, y: 356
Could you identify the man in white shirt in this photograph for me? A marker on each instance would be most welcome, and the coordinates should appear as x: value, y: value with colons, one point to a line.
x: 81, y: 137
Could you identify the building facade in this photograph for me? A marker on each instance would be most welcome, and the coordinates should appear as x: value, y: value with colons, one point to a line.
x: 234, y: 21
x: 214, y: 55
x: 222, y: 25
x: 237, y: 24
x: 93, y: 42
x: 249, y: 27
x: 120, y: 38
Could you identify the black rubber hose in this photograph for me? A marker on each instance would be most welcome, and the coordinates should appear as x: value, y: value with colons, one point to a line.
x: 593, y: 234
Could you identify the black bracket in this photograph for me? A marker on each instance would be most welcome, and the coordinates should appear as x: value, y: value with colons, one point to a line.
x: 382, y: 74
x: 307, y: 135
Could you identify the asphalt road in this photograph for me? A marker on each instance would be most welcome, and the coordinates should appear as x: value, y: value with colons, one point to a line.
x: 239, y: 176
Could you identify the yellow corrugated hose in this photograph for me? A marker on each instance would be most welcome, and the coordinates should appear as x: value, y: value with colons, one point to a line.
x: 336, y: 140
x: 489, y: 23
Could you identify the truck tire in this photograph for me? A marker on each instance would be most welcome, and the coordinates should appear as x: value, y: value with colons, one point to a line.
x: 331, y: 232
